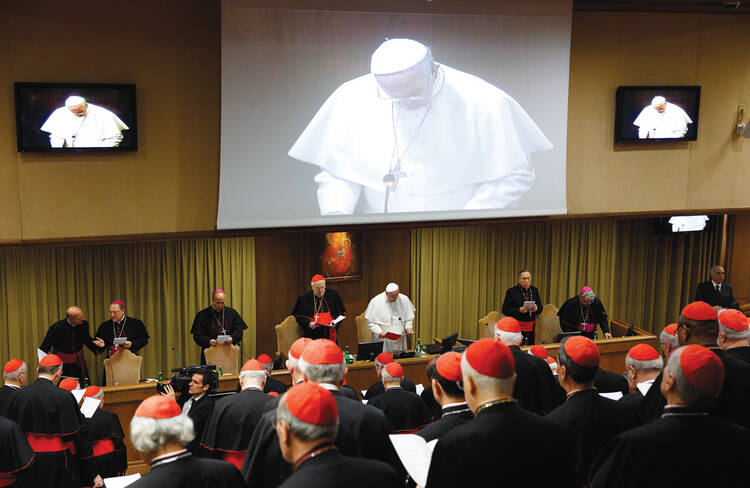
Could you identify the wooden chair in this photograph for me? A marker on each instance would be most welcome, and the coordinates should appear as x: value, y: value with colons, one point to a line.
x: 547, y: 325
x: 363, y: 332
x: 487, y: 323
x: 123, y: 368
x: 224, y: 356
x: 287, y: 332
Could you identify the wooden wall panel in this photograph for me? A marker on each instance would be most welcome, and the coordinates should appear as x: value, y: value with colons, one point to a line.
x: 738, y: 264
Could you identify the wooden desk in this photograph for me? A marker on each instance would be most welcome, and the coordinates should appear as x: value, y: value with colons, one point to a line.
x: 123, y: 400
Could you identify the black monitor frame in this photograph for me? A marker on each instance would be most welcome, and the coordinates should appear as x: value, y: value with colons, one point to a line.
x: 649, y: 92
x: 368, y: 351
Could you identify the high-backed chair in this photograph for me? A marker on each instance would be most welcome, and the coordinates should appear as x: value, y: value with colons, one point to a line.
x: 123, y: 368
x: 226, y: 356
x: 547, y: 325
x: 287, y: 332
x: 486, y: 324
x: 363, y: 332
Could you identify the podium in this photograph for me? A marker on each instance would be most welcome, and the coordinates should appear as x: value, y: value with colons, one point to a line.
x: 123, y: 368
x: 224, y: 356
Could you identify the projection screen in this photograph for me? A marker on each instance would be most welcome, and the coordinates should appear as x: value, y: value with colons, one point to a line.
x: 332, y: 117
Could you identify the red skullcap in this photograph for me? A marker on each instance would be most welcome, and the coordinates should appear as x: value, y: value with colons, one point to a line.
x: 702, y: 368
x: 13, y: 365
x: 322, y: 351
x: 158, y: 407
x: 643, y: 352
x: 384, y: 358
x: 551, y: 360
x: 253, y: 365
x: 265, y: 359
x: 448, y: 366
x: 509, y: 324
x: 671, y: 329
x: 312, y: 404
x: 91, y: 391
x: 394, y: 369
x: 317, y: 277
x: 69, y: 384
x: 118, y: 302
x: 299, y: 346
x: 273, y: 393
x: 491, y: 358
x: 585, y: 289
x: 51, y: 360
x: 699, y: 311
x: 733, y: 319
x: 582, y: 351
x: 218, y: 291
x: 538, y: 351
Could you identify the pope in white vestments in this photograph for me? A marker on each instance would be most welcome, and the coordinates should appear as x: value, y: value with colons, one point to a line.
x: 83, y: 124
x: 415, y: 135
x: 662, y: 120
x: 390, y: 312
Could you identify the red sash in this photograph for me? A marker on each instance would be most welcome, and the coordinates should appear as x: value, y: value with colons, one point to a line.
x: 102, y: 447
x: 325, y: 318
x: 235, y: 457
x: 526, y: 326
x: 49, y: 443
x: 74, y: 358
x: 9, y: 481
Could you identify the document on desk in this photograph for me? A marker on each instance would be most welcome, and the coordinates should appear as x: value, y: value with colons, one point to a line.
x: 415, y: 455
x: 121, y: 481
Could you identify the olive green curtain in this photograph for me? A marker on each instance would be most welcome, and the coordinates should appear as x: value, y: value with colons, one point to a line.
x: 459, y: 274
x: 162, y: 283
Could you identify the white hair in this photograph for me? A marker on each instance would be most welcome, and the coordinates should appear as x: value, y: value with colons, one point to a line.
x: 589, y: 295
x: 323, y: 373
x: 389, y: 378
x: 734, y: 335
x: 508, y: 338
x: 683, y: 388
x: 253, y: 377
x: 553, y: 366
x: 487, y: 383
x: 13, y: 376
x: 641, y: 365
x: 147, y: 434
x: 49, y: 370
x: 99, y: 395
x: 303, y: 430
x: 669, y: 339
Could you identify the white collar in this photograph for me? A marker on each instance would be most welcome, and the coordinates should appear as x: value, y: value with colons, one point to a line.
x: 198, y: 398
x: 256, y: 388
x: 717, y: 284
x: 13, y: 386
x: 451, y: 405
x: 329, y: 386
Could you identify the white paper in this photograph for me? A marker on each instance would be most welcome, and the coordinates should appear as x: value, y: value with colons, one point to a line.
x: 530, y: 306
x: 337, y: 320
x: 615, y: 395
x: 221, y: 339
x: 78, y: 394
x: 364, y: 392
x: 420, y: 388
x: 119, y: 341
x: 415, y: 455
x: 88, y: 409
x: 365, y: 401
x: 644, y: 387
x: 40, y: 354
x: 121, y: 481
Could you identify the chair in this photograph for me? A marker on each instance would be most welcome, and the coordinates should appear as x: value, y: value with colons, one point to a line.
x: 123, y: 368
x: 363, y: 332
x: 487, y: 323
x: 224, y: 356
x: 547, y: 325
x: 287, y: 332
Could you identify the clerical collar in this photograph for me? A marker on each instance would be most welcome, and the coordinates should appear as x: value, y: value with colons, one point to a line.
x: 329, y: 386
x: 579, y: 390
x: 314, y: 452
x: 169, y: 457
x: 455, y: 408
x: 492, y: 403
x: 393, y: 387
x: 13, y: 386
x: 683, y: 411
x: 68, y: 321
x: 256, y: 388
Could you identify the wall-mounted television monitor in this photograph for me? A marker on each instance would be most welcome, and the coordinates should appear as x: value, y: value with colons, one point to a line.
x: 657, y: 113
x: 65, y: 117
x: 683, y: 223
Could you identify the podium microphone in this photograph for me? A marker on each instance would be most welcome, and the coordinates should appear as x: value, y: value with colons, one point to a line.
x: 177, y: 357
x: 390, y: 180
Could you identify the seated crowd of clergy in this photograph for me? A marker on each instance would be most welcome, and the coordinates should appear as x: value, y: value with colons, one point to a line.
x: 498, y: 415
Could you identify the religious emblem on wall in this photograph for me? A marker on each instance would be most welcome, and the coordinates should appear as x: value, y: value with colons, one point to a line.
x: 340, y: 256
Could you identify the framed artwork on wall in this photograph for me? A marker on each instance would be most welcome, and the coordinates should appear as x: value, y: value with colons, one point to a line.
x: 339, y: 256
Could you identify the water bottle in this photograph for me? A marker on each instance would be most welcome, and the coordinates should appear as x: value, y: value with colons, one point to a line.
x: 160, y: 376
x: 347, y: 356
x: 220, y: 371
x: 418, y: 350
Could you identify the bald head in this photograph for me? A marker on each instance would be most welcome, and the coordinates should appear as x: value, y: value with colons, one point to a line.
x: 74, y: 315
x: 218, y: 299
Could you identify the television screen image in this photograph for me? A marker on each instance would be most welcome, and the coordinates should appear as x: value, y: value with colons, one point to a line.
x: 63, y: 117
x: 683, y: 223
x: 657, y: 113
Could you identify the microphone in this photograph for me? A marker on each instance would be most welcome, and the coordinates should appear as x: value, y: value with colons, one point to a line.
x: 177, y: 357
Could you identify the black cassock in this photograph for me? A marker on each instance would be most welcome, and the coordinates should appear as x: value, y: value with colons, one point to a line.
x: 535, y: 389
x: 403, y: 409
x: 331, y: 469
x: 502, y: 446
x: 609, y: 382
x: 48, y: 414
x: 682, y: 448
x: 632, y: 403
x: 67, y: 340
x: 572, y: 314
x: 363, y: 433
x: 107, y: 443
x: 131, y: 327
x: 741, y: 352
x: 733, y: 402
x: 308, y: 305
x: 182, y: 470
x: 377, y: 388
x: 6, y: 392
x: 706, y: 292
x: 209, y: 324
x: 429, y: 400
x: 232, y: 422
x: 452, y: 417
x: 274, y: 385
x: 16, y: 456
x: 590, y: 421
x: 515, y: 297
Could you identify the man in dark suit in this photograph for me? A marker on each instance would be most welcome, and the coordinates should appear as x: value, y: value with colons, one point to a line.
x: 14, y: 375
x: 197, y: 405
x: 715, y: 292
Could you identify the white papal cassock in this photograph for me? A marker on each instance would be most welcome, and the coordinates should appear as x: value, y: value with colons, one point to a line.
x: 671, y: 124
x: 384, y: 316
x: 98, y: 128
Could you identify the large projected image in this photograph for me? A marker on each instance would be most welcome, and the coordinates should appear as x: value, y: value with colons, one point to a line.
x: 390, y: 117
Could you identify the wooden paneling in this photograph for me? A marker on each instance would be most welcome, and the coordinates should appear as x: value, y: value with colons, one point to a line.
x: 738, y: 264
x: 284, y: 264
